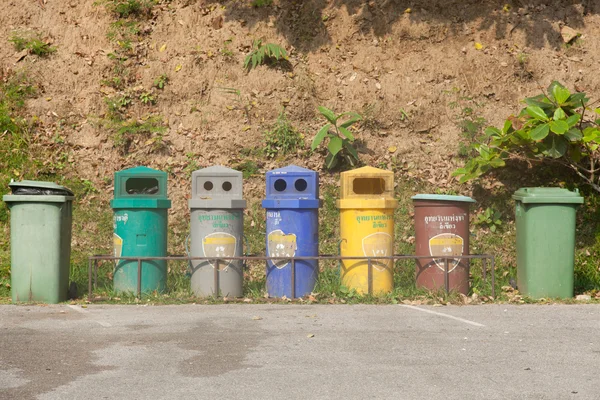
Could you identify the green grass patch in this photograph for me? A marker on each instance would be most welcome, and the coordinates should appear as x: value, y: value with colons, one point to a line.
x: 249, y: 168
x: 124, y: 132
x: 32, y: 42
x: 282, y: 139
x: 128, y: 8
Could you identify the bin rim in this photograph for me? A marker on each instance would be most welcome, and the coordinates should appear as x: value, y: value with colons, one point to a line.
x: 217, y: 204
x: 32, y: 198
x: 443, y: 197
x: 291, y: 203
x: 41, y: 185
x: 547, y: 195
x: 124, y: 203
x: 380, y: 203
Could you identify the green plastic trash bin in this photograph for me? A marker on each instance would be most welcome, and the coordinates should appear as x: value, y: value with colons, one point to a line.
x: 40, y: 241
x: 545, y: 219
x: 140, y: 208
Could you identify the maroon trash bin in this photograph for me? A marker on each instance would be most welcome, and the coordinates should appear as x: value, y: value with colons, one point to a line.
x: 442, y: 230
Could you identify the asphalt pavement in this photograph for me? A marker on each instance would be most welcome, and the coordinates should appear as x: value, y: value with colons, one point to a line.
x: 300, y: 352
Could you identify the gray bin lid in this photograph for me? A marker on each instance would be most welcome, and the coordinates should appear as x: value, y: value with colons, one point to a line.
x: 217, y: 187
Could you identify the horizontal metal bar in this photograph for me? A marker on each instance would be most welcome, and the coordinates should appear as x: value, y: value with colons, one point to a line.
x: 396, y: 257
x: 265, y: 258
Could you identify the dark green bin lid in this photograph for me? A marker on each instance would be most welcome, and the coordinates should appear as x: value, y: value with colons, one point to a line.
x: 443, y: 197
x: 548, y: 195
x: 49, y: 188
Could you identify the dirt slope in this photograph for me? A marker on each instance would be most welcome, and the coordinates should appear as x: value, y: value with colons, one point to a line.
x: 410, y: 67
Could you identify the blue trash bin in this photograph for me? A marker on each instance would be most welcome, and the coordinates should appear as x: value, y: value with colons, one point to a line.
x: 292, y: 206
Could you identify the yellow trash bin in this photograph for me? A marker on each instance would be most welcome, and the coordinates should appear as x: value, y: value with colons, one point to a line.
x: 367, y: 207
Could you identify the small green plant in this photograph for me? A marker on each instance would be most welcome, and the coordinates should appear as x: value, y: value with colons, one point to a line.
x: 125, y: 132
x: 128, y: 8
x: 468, y: 121
x: 241, y: 105
x: 283, y: 138
x: 370, y: 113
x: 161, y: 81
x: 157, y: 142
x: 117, y: 106
x: 121, y: 76
x: 226, y: 51
x: 264, y: 53
x: 554, y: 127
x: 261, y: 3
x: 123, y: 29
x: 403, y: 115
x: 147, y: 98
x: 191, y: 163
x: 522, y: 58
x: 248, y: 168
x: 349, y: 293
x: 471, y: 126
x: 32, y: 42
x: 13, y: 93
x: 15, y: 138
x: 489, y: 218
x: 340, y: 146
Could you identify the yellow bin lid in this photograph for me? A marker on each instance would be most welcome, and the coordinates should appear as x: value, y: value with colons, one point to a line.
x: 367, y: 187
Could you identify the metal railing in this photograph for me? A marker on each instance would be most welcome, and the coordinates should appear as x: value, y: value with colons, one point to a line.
x: 93, y: 267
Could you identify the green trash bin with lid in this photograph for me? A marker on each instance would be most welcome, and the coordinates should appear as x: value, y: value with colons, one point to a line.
x: 140, y: 206
x: 40, y: 241
x: 545, y: 223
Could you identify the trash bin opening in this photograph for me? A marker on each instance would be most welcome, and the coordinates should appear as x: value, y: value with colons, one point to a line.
x: 300, y: 185
x: 208, y: 185
x: 227, y: 186
x: 39, y: 191
x: 280, y: 185
x: 368, y: 185
x: 141, y: 186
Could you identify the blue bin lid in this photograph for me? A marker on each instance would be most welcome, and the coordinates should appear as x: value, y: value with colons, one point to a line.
x: 443, y: 197
x: 292, y: 187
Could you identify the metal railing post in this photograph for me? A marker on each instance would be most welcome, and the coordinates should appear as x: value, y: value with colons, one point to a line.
x: 293, y: 277
x: 493, y: 272
x: 90, y: 279
x: 216, y: 278
x: 370, y: 275
x: 446, y: 276
x: 139, y: 279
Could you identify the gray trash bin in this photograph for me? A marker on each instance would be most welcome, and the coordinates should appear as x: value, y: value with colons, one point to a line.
x: 217, y: 226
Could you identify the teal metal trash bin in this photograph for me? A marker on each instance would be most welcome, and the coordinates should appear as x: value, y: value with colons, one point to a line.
x: 140, y: 206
